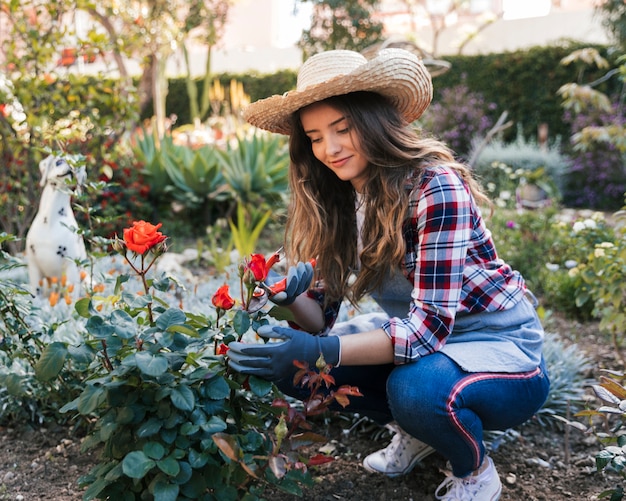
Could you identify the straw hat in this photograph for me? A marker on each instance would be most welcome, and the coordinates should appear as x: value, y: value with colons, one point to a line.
x: 397, y: 74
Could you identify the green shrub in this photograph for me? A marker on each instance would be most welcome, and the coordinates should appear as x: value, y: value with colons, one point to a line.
x: 524, y: 159
x: 524, y: 239
x: 168, y: 417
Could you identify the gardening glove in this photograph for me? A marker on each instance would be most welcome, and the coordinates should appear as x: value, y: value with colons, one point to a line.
x: 274, y: 361
x: 284, y: 290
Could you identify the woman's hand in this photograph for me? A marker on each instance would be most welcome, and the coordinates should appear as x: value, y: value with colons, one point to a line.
x: 283, y: 291
x: 274, y: 361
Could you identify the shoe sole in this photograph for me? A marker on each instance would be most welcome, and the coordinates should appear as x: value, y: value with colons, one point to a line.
x: 424, y: 454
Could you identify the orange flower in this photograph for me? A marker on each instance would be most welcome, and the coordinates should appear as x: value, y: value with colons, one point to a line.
x: 222, y: 300
x: 142, y: 236
x: 54, y: 298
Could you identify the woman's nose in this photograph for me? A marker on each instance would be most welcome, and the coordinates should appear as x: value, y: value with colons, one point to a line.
x: 333, y: 146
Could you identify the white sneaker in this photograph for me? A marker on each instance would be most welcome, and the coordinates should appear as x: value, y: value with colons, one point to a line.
x: 483, y: 487
x: 400, y: 456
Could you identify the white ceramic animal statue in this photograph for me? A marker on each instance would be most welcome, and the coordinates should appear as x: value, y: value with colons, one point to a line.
x: 53, y: 242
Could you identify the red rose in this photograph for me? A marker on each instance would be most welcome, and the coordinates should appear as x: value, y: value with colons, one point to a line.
x: 143, y: 236
x: 222, y: 300
x: 258, y: 267
x: 222, y: 349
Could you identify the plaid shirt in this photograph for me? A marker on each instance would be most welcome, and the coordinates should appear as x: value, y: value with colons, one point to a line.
x: 452, y: 264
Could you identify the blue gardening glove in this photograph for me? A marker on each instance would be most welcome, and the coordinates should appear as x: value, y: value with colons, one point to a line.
x: 297, y: 281
x: 274, y: 361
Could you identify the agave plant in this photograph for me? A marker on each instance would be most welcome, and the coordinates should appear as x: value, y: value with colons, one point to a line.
x: 195, y: 174
x: 190, y: 176
x: 256, y: 168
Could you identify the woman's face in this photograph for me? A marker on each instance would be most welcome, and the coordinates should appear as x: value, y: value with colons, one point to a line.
x: 334, y: 143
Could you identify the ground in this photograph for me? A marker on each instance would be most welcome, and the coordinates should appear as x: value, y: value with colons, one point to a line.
x: 539, y: 464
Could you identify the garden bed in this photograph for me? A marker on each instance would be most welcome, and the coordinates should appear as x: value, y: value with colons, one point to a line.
x: 535, y: 463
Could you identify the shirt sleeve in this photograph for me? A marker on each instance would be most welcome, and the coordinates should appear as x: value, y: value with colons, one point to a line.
x: 438, y: 229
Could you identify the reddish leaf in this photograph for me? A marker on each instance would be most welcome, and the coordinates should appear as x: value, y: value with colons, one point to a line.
x: 349, y: 390
x: 319, y: 459
x: 328, y: 380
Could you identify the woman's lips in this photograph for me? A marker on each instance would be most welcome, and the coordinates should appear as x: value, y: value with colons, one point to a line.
x: 340, y: 162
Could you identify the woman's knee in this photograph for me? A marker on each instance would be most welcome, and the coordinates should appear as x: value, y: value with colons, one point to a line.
x: 414, y: 392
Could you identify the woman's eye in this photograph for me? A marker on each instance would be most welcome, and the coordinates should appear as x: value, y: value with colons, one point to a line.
x: 344, y: 131
x: 315, y: 140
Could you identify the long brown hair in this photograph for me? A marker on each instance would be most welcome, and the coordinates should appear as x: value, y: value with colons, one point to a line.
x: 321, y: 220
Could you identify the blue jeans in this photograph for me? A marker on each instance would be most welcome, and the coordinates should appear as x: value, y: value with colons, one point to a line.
x: 440, y: 404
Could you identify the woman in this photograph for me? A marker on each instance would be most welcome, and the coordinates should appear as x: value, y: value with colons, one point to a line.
x: 391, y: 214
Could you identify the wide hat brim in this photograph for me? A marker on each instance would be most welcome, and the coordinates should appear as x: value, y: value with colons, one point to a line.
x: 397, y: 74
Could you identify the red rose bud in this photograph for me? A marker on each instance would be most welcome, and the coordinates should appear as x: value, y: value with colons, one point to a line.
x: 221, y: 299
x: 258, y: 267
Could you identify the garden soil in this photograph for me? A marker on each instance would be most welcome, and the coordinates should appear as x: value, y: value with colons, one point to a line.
x: 538, y: 463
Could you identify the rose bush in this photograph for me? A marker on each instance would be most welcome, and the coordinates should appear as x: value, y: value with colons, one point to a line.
x: 168, y: 418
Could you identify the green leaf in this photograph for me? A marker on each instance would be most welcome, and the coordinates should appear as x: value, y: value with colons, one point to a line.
x: 172, y: 316
x: 51, y: 361
x: 135, y: 300
x: 91, y: 397
x: 197, y: 459
x: 151, y: 364
x: 94, y: 489
x: 217, y: 388
x: 81, y: 354
x: 149, y: 428
x: 154, y: 450
x: 136, y: 464
x: 169, y: 466
x: 164, y: 491
x: 241, y: 322
x: 184, y: 329
x: 260, y: 387
x: 84, y: 307
x: 124, y: 325
x: 214, y: 425
x: 281, y: 313
x: 183, y: 398
x: 603, y: 458
x: 13, y: 384
x: 98, y: 327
